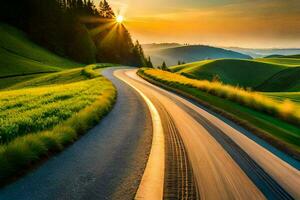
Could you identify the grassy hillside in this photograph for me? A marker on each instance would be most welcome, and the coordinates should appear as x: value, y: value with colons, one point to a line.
x: 189, y: 66
x: 284, y: 81
x: 46, y: 102
x: 19, y: 56
x: 64, y: 77
x: 10, y: 81
x: 190, y: 54
x: 270, y: 119
x: 246, y: 73
x: 292, y: 62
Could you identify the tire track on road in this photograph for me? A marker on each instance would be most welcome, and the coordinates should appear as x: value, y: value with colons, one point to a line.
x: 268, y: 186
x: 180, y: 182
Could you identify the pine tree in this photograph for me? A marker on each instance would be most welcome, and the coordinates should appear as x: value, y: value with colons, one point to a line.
x: 149, y: 63
x: 105, y: 10
x: 58, y: 26
x: 164, y: 66
x: 142, y: 62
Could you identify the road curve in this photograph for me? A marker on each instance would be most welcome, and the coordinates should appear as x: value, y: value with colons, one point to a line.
x: 106, y: 163
x: 205, y: 157
x: 226, y: 163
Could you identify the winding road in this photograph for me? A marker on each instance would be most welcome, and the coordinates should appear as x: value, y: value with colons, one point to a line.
x: 155, y: 144
x: 106, y: 163
x: 225, y: 162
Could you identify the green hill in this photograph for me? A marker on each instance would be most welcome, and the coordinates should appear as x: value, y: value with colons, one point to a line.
x: 284, y: 81
x: 297, y: 56
x: 189, y: 66
x: 273, y: 56
x: 292, y: 56
x: 292, y: 62
x: 19, y: 56
x: 246, y: 73
x: 190, y: 54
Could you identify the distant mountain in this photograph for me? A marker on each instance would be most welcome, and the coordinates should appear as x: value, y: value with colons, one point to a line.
x: 297, y: 56
x: 156, y: 46
x: 190, y: 54
x: 259, y: 53
x: 292, y: 56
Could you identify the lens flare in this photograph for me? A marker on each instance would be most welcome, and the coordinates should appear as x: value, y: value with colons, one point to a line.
x: 119, y: 18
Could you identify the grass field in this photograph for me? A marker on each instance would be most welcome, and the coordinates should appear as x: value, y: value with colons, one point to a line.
x: 20, y: 56
x: 277, y: 121
x: 45, y: 113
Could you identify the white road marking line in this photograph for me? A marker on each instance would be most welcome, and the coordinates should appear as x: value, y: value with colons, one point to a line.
x: 152, y: 183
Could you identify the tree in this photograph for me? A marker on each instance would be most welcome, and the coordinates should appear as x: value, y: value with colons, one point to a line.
x: 59, y: 26
x: 105, y: 10
x: 149, y: 63
x: 139, y: 56
x: 164, y: 66
x: 179, y: 63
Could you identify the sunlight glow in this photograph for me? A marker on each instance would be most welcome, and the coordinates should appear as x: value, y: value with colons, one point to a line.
x: 120, y: 19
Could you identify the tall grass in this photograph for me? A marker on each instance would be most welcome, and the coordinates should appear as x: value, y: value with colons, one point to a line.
x: 285, y: 110
x: 36, y: 121
x: 32, y: 110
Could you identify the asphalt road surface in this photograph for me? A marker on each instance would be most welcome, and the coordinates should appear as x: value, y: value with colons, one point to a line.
x: 226, y: 163
x: 206, y: 156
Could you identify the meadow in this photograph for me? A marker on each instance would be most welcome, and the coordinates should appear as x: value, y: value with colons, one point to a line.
x: 48, y: 113
x: 277, y: 120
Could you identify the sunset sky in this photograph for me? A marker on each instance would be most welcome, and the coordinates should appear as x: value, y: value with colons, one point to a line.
x: 243, y: 23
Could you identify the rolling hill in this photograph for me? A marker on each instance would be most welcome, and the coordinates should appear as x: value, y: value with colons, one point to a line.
x: 292, y: 62
x: 297, y: 56
x: 285, y: 81
x: 20, y: 56
x: 246, y: 73
x: 273, y: 56
x: 190, y: 54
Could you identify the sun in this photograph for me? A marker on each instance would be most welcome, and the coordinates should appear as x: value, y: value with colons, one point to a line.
x: 120, y: 19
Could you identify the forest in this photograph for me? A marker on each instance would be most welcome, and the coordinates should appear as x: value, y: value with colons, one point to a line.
x: 76, y: 29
